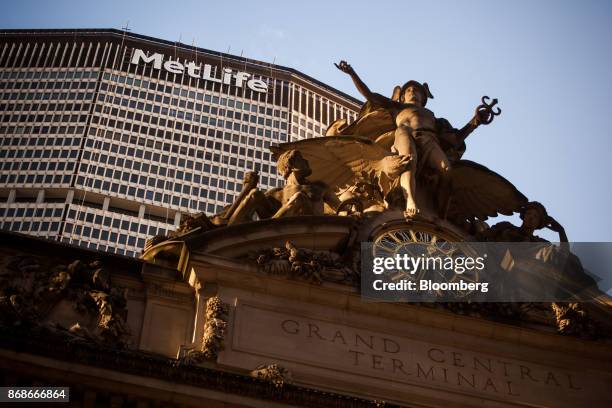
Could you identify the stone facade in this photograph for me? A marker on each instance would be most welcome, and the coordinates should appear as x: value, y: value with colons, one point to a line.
x: 205, y: 323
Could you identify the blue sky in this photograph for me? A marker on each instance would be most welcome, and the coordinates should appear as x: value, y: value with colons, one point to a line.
x: 548, y: 62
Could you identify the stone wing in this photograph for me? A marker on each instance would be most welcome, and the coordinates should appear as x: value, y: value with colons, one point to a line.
x: 479, y: 192
x: 336, y: 160
x: 372, y: 122
x: 396, y: 93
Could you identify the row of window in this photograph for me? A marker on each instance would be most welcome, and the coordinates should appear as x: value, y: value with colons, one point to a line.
x: 43, y: 118
x: 88, y: 233
x: 186, y: 140
x: 100, y: 247
x: 38, y: 165
x: 133, y: 170
x: 131, y: 117
x: 31, y: 226
x: 53, y: 153
x: 181, y: 113
x: 19, y: 179
x: 48, y: 74
x: 95, y: 147
x: 153, y: 175
x: 150, y: 127
x: 40, y: 141
x: 158, y: 175
x: 240, y: 140
x: 30, y: 212
x: 184, y: 93
x: 180, y: 154
x: 47, y: 96
x: 117, y: 223
x: 185, y: 203
x: 195, y: 189
x: 27, y: 107
x: 125, y: 148
x: 42, y: 130
x: 49, y: 85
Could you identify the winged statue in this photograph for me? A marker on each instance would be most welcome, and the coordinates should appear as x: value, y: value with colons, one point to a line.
x: 410, y: 158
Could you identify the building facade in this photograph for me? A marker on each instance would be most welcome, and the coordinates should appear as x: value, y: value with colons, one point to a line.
x: 107, y: 137
x: 228, y: 317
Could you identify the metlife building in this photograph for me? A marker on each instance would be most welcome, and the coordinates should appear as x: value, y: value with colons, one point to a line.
x: 108, y: 137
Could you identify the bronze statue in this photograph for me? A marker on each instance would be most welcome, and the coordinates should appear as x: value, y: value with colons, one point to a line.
x: 299, y: 196
x: 249, y: 184
x: 549, y: 265
x: 416, y: 133
x: 374, y: 164
x: 534, y: 217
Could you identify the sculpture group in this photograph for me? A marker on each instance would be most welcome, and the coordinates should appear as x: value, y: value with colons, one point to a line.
x: 399, y: 164
x: 397, y: 155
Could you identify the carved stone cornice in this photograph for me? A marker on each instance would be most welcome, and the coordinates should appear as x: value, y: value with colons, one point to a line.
x: 273, y: 373
x: 44, y: 342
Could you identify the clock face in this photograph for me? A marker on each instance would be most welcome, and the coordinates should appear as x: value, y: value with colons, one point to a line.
x: 435, y: 248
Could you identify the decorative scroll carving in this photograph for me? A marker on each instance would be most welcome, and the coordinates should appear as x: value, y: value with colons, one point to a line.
x: 306, y: 264
x: 77, y: 298
x: 214, y: 333
x: 214, y: 328
x: 274, y: 374
x: 572, y: 319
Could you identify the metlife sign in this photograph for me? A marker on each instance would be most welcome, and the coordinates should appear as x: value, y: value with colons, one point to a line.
x: 194, y: 70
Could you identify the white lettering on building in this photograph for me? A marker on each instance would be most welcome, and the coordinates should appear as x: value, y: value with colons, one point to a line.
x: 197, y: 71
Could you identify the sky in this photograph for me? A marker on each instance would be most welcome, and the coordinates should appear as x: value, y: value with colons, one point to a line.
x: 548, y: 62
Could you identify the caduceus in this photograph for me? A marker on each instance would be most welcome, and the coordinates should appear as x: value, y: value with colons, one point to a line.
x: 486, y: 111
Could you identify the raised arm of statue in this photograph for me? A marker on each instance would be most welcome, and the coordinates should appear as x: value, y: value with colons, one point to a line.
x: 483, y: 115
x: 554, y: 225
x: 361, y: 86
x: 476, y: 121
